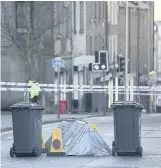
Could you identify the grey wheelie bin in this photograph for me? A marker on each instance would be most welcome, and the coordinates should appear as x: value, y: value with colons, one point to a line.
x: 127, y: 128
x: 27, y: 129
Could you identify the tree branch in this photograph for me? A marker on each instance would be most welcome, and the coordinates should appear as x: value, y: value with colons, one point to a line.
x: 28, y: 44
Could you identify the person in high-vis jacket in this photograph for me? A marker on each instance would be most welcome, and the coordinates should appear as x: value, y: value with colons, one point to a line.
x: 34, y: 91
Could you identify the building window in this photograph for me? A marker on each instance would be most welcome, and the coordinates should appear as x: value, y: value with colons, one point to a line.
x: 87, y: 45
x: 92, y: 9
x: 96, y: 43
x: 115, y: 12
x: 24, y: 16
x: 59, y: 16
x: 100, y: 10
x: 103, y: 10
x: 113, y: 57
x: 68, y: 19
x: 144, y: 35
x: 112, y: 47
x: 81, y: 17
x: 74, y: 11
x: 109, y: 12
x: 99, y: 43
x: 90, y: 44
x: 95, y: 9
x: 90, y: 4
x: 116, y: 45
x: 103, y: 42
x: 135, y: 22
x: 109, y: 48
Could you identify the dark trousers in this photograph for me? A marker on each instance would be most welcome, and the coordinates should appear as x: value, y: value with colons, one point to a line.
x: 34, y: 99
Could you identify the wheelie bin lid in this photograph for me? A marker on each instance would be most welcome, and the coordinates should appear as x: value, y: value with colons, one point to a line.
x: 123, y: 104
x: 24, y: 105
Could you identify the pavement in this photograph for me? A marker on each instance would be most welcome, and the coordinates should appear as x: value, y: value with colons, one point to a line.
x: 6, y: 118
x: 151, y: 143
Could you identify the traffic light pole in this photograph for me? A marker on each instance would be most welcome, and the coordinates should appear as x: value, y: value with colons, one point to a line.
x: 126, y: 52
x: 58, y: 85
x: 104, y: 94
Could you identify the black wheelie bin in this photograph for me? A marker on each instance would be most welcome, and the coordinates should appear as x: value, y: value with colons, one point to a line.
x: 27, y: 129
x: 127, y: 128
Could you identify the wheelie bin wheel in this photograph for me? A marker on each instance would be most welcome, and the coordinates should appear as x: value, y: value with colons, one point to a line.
x: 13, y: 145
x: 140, y: 151
x: 47, y: 152
x: 36, y: 152
x: 113, y: 143
x: 113, y: 150
x: 12, y: 152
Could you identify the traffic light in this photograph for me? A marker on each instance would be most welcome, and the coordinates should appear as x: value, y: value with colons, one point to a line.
x: 121, y: 63
x: 97, y: 59
x: 101, y: 61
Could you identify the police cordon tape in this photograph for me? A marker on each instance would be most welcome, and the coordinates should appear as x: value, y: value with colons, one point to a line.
x: 78, y: 90
x: 75, y: 87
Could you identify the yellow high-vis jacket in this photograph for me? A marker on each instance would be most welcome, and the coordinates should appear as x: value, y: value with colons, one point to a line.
x: 34, y: 90
x: 30, y: 83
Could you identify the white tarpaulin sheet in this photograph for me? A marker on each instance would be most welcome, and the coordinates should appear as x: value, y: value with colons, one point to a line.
x: 80, y: 139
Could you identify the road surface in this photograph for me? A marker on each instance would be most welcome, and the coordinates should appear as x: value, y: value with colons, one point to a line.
x: 151, y: 142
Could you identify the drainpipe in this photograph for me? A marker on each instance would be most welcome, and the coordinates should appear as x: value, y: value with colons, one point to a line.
x: 106, y: 25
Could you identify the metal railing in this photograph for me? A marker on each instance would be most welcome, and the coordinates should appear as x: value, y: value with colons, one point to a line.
x: 90, y: 98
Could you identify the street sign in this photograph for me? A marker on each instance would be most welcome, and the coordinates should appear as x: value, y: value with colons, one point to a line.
x: 57, y: 63
x: 99, y: 67
x: 96, y: 67
x: 103, y: 67
x: 101, y: 61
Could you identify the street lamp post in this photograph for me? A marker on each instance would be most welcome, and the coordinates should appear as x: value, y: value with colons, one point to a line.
x: 126, y: 52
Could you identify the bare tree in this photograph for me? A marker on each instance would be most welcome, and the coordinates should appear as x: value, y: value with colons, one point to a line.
x: 25, y: 25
